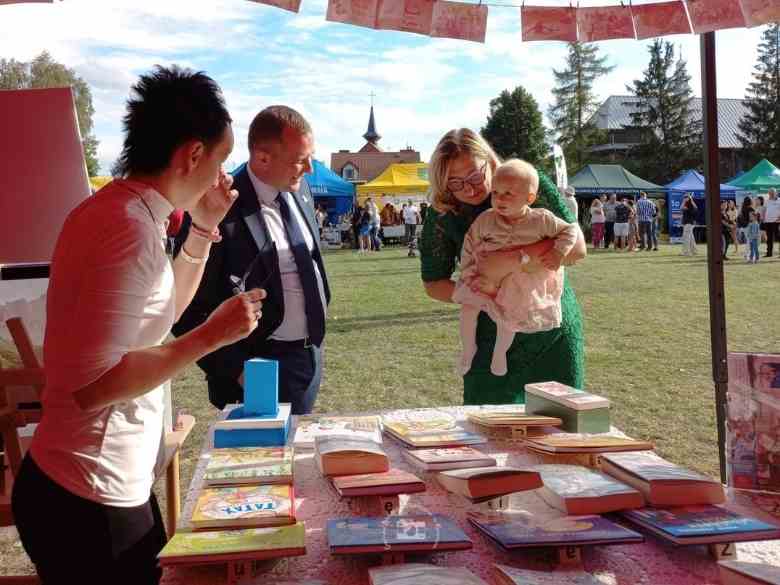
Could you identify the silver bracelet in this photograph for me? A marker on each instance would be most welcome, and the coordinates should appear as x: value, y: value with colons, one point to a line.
x: 191, y: 259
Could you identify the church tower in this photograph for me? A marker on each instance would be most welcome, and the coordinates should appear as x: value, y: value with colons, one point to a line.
x: 371, y: 136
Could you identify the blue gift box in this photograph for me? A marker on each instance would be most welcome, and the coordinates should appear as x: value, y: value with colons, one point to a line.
x: 241, y: 429
x: 261, y: 387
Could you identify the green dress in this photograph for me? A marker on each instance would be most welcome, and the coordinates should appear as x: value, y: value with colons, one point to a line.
x: 533, y: 357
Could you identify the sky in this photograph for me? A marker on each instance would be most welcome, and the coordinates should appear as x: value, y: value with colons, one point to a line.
x: 261, y: 55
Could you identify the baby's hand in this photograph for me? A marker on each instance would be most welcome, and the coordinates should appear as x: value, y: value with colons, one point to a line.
x: 484, y: 285
x: 552, y: 259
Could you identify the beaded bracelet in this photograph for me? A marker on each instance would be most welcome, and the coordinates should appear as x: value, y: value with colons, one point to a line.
x: 191, y: 259
x: 198, y: 231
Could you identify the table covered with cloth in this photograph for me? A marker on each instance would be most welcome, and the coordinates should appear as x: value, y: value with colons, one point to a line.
x: 650, y: 563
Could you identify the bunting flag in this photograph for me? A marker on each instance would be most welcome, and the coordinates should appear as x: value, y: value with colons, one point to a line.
x: 604, y: 23
x: 407, y: 15
x: 458, y: 20
x: 547, y: 23
x: 657, y: 20
x: 711, y: 15
x: 758, y: 12
x: 291, y: 5
x: 357, y: 12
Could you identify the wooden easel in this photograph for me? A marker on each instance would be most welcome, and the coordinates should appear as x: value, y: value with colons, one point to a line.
x: 723, y: 551
x: 375, y: 505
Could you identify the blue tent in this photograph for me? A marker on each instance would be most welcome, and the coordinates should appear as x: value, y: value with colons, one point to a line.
x: 330, y: 191
x: 691, y: 182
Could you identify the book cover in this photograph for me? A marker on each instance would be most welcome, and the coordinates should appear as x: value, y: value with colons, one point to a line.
x: 349, y: 455
x: 567, y: 396
x: 246, y: 465
x: 422, y: 574
x: 693, y: 521
x: 228, y: 507
x: 223, y: 545
x: 516, y: 419
x: 394, y: 481
x: 431, y: 433
x: 307, y: 428
x: 522, y: 531
x: 740, y: 572
x: 507, y: 575
x: 447, y: 458
x: 753, y: 421
x: 574, y: 443
x: 395, y: 533
x: 483, y: 483
x: 577, y: 490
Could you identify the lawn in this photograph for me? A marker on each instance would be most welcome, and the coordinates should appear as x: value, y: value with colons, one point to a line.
x: 647, y: 345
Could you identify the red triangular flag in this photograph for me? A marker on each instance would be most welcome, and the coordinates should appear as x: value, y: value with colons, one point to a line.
x: 657, y: 20
x: 709, y: 15
x: 604, y: 23
x: 458, y: 20
x: 547, y: 23
x: 406, y: 15
x: 758, y: 12
x: 357, y: 12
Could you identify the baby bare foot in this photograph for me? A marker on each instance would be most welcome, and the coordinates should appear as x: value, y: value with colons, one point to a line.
x: 498, y: 365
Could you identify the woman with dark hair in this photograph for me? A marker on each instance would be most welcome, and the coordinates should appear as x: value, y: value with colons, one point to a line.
x: 689, y: 210
x: 727, y: 228
x: 743, y: 220
x: 82, y: 501
x: 461, y: 173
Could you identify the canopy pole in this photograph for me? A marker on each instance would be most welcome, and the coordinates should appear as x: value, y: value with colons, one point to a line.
x: 720, y: 372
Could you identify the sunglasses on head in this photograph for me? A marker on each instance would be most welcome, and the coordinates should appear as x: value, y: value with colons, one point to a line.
x: 474, y: 179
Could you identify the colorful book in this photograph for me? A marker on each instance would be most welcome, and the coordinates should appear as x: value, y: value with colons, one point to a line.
x: 308, y: 427
x: 348, y: 455
x: 506, y: 575
x: 752, y: 432
x: 392, y: 482
x: 579, y: 411
x: 574, y: 443
x: 431, y: 433
x: 522, y: 531
x: 742, y: 573
x: 418, y: 533
x: 244, y: 506
x: 518, y: 418
x: 701, y: 525
x: 221, y: 546
x: 566, y: 396
x: 661, y: 482
x: 447, y: 458
x: 422, y: 574
x: 249, y: 465
x: 579, y: 491
x: 485, y: 483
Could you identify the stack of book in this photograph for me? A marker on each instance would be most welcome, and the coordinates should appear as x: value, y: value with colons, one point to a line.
x: 579, y: 491
x: 349, y: 455
x: 430, y: 433
x: 580, y: 411
x: 512, y: 423
x: 309, y: 427
x: 567, y: 446
x: 486, y: 483
x: 447, y: 458
x: 741, y: 573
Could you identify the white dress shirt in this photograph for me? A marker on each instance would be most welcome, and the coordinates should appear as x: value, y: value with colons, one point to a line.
x: 293, y: 326
x: 772, y: 210
x: 111, y: 291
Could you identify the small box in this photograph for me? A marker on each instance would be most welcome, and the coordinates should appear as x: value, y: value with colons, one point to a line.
x: 239, y: 429
x: 261, y: 387
x: 580, y: 411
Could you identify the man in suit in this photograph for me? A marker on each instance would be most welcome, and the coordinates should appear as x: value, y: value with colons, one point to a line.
x: 269, y: 241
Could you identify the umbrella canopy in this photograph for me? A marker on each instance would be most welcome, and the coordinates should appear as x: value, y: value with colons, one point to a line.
x: 693, y: 182
x: 598, y: 179
x: 762, y: 176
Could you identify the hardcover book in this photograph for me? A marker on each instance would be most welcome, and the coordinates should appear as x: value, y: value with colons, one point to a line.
x: 447, y: 458
x: 579, y: 491
x: 566, y: 396
x: 573, y: 443
x: 742, y: 573
x: 348, y: 455
x: 249, y: 465
x: 502, y: 418
x: 522, y: 531
x: 220, y: 546
x: 418, y: 533
x: 422, y: 574
x: 309, y: 427
x: 244, y: 506
x: 431, y: 433
x: 661, y: 482
x: 506, y: 575
x: 390, y: 482
x: 579, y: 411
x: 701, y: 524
x: 485, y: 483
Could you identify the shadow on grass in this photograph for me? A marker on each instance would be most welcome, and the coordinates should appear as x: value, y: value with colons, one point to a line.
x: 394, y: 320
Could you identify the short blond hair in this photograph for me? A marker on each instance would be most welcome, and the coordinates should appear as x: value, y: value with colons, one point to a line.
x: 453, y: 144
x: 519, y: 169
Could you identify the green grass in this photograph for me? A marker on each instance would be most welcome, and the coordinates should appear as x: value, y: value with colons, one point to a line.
x: 647, y: 346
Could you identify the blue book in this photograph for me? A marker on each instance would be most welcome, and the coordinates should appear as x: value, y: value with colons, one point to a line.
x: 419, y: 533
x: 261, y: 387
x: 239, y: 429
x: 701, y: 524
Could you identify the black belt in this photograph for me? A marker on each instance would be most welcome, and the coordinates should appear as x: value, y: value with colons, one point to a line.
x: 304, y: 343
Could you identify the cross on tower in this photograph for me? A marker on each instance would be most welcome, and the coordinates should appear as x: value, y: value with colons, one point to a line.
x: 373, y: 95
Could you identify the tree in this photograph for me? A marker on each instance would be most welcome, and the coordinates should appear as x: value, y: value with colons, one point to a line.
x: 759, y: 129
x: 575, y: 102
x: 514, y: 127
x: 42, y: 72
x: 671, y: 136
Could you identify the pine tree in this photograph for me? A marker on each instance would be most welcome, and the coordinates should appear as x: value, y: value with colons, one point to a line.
x: 575, y: 102
x: 514, y: 127
x: 759, y: 129
x: 671, y: 133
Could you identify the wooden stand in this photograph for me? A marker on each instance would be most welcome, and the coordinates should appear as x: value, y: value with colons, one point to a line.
x: 723, y: 551
x: 393, y: 558
x: 375, y: 505
x: 173, y: 442
x: 592, y: 460
x: 244, y: 571
x: 568, y: 556
x: 512, y: 434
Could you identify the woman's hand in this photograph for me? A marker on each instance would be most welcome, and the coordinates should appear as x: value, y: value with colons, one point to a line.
x: 236, y: 317
x: 552, y: 259
x: 215, y: 203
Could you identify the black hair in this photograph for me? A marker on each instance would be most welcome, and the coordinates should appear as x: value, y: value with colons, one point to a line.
x: 166, y: 108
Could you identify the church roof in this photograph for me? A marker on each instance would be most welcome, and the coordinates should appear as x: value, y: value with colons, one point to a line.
x: 371, y: 134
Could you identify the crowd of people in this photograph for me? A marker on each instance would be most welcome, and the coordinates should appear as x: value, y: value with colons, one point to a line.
x: 368, y: 221
x: 755, y: 221
x: 622, y: 224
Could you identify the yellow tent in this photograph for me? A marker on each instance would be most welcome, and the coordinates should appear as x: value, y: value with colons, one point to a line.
x: 397, y: 183
x: 99, y: 182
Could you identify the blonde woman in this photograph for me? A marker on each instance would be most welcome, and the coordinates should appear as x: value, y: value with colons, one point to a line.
x: 461, y: 173
x: 597, y: 219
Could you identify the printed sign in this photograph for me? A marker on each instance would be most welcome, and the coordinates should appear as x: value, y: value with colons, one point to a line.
x: 758, y: 12
x: 357, y: 12
x: 710, y: 15
x: 657, y: 20
x: 407, y: 15
x: 545, y: 23
x: 604, y: 23
x: 457, y: 20
x: 291, y: 5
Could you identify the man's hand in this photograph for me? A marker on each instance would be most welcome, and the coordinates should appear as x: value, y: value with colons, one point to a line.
x: 552, y: 259
x: 215, y: 203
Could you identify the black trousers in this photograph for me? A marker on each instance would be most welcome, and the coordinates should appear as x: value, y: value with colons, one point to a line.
x: 72, y: 540
x: 771, y: 236
x: 609, y: 233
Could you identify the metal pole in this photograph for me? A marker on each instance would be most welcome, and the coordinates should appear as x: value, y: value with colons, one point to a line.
x: 720, y: 372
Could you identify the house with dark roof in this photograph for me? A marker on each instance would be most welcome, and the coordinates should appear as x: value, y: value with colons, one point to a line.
x: 614, y: 116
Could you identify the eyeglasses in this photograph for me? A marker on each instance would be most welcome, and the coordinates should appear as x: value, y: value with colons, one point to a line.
x: 474, y: 179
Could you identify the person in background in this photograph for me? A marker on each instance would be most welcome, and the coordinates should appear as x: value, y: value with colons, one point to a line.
x: 571, y: 201
x: 387, y: 215
x: 621, y: 228
x: 373, y: 225
x: 731, y: 210
x: 743, y: 220
x: 320, y: 216
x: 597, y: 222
x: 423, y: 211
x: 771, y: 220
x: 411, y: 219
x: 646, y: 213
x: 753, y: 236
x: 609, y: 220
x: 633, y: 226
x: 726, y: 228
x: 758, y: 207
x: 364, y: 231
x: 689, y: 210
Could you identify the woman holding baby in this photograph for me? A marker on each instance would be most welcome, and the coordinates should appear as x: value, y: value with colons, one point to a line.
x: 462, y: 172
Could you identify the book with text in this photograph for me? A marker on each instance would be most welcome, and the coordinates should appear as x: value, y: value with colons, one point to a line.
x: 484, y: 483
x: 348, y: 455
x: 431, y: 433
x: 447, y: 458
x: 308, y: 427
x: 244, y: 506
x: 579, y: 491
x: 506, y: 575
x: 422, y: 574
x: 574, y: 443
x: 394, y: 481
x: 249, y: 465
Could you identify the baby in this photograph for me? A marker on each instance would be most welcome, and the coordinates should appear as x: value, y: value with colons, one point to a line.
x: 511, y: 265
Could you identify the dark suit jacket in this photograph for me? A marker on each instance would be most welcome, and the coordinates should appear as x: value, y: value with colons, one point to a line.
x: 244, y: 235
